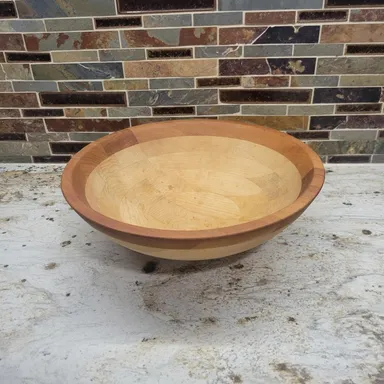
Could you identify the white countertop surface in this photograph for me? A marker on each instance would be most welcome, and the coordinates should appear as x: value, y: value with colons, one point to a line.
x: 306, y: 307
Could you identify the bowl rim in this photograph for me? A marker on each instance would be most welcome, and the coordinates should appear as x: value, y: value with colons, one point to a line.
x: 311, y: 190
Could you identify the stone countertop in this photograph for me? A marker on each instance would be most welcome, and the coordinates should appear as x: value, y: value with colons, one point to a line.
x: 306, y: 307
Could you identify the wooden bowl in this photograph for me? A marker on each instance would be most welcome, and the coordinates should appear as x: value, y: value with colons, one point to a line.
x: 193, y: 189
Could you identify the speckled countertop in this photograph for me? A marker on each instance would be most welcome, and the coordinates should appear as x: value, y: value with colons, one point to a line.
x: 306, y: 307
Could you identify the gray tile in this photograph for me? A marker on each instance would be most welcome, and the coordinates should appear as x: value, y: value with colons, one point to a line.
x: 318, y: 50
x: 370, y: 80
x: 15, y: 159
x: 69, y: 25
x: 219, y: 51
x: 314, y: 81
x: 307, y: 110
x: 129, y: 112
x: 379, y: 147
x: 218, y: 18
x: 80, y: 86
x: 24, y: 148
x: 218, y: 109
x: 183, y: 82
x: 15, y: 72
x: 122, y: 54
x: 31, y: 9
x: 22, y: 26
x: 173, y: 97
x: 267, y: 50
x: 118, y: 85
x: 247, y: 5
x: 35, y: 86
x: 351, y: 65
x: 6, y: 86
x: 77, y: 71
x: 270, y: 110
x: 80, y: 136
x: 341, y: 147
x: 54, y: 136
x: 375, y: 159
x: 74, y: 56
x: 364, y: 134
x: 154, y: 21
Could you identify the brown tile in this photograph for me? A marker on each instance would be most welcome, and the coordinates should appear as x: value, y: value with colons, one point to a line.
x: 329, y: 16
x: 28, y: 57
x: 365, y: 49
x: 18, y: 100
x: 215, y: 82
x: 167, y: 53
x: 174, y: 111
x: 12, y: 137
x: 352, y: 33
x: 66, y: 147
x: 236, y: 67
x: 21, y: 125
x: 270, y: 18
x: 268, y: 96
x: 51, y: 159
x: 126, y: 6
x: 146, y: 120
x: 9, y: 112
x: 11, y: 42
x: 239, y: 35
x: 2, y: 57
x: 359, y: 108
x: 310, y: 135
x: 83, y: 98
x: 118, y: 22
x: 265, y: 81
x: 115, y: 85
x: 86, y: 125
x: 85, y: 112
x: 7, y: 9
x: 42, y: 112
x: 367, y: 15
x: 171, y: 68
x: 169, y: 37
x: 283, y: 123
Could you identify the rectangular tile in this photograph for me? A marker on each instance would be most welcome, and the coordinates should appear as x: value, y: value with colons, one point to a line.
x: 347, y: 95
x: 83, y: 98
x: 264, y: 81
x: 118, y: 22
x: 34, y: 86
x: 240, y: 35
x: 365, y: 49
x: 70, y: 86
x: 215, y: 82
x: 347, y: 122
x: 169, y: 37
x: 173, y: 97
x: 129, y: 112
x: 154, y: 21
x: 171, y: 68
x: 172, y: 83
x: 236, y: 67
x: 18, y: 100
x: 86, y: 125
x: 362, y: 15
x: 169, y: 53
x: 267, y: 50
x: 68, y: 24
x: 351, y: 65
x: 292, y: 66
x: 12, y: 137
x: 339, y: 147
x: 122, y: 54
x: 218, y: 18
x: 71, y: 41
x: 270, y: 18
x: 318, y: 50
x: 23, y: 148
x: 311, y: 135
x: 173, y: 111
x: 55, y: 136
x: 15, y: 159
x: 27, y: 57
x: 21, y: 125
x: 66, y: 147
x: 4, y: 112
x: 282, y: 123
x: 219, y: 51
x: 51, y: 159
x: 86, y: 112
x: 352, y: 33
x: 7, y: 9
x: 218, y: 109
x: 353, y: 3
x: 125, y: 6
x: 77, y: 71
x: 343, y: 134
x: 328, y: 16
x: 21, y: 25
x: 146, y: 120
x: 269, y: 96
x: 80, y: 136
x: 358, y: 108
x: 356, y: 159
x: 268, y: 110
x: 6, y: 86
x: 74, y: 56
x: 15, y: 72
x: 378, y: 159
x: 56, y: 8
x: 379, y: 147
x: 249, y: 5
x: 116, y: 85
x: 314, y: 81
x: 11, y: 42
x: 308, y: 110
x: 368, y: 80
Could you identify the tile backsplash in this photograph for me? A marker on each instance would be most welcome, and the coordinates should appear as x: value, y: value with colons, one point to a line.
x: 73, y: 71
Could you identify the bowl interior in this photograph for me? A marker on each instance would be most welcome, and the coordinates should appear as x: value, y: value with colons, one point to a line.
x: 192, y: 183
